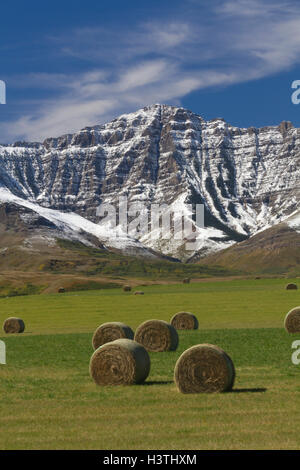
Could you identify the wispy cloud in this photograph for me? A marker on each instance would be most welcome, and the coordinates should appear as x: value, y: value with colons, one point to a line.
x: 96, y: 96
x: 160, y: 61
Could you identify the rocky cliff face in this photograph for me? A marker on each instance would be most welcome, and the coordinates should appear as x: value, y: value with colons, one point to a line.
x: 247, y: 179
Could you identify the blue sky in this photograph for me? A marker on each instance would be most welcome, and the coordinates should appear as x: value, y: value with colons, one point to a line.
x: 70, y: 64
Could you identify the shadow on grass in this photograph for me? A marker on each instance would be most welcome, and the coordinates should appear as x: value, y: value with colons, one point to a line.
x: 158, y: 382
x: 235, y: 390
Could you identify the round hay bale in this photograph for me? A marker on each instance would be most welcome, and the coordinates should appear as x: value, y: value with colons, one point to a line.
x: 291, y: 286
x: 204, y: 368
x: 139, y: 292
x: 157, y: 336
x: 292, y: 321
x: 111, y: 331
x: 120, y: 362
x: 126, y: 288
x: 184, y: 321
x: 61, y: 290
x: 13, y: 325
x: 186, y: 280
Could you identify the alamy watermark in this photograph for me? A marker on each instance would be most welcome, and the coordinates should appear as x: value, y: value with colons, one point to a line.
x: 2, y: 352
x: 2, y: 92
x: 296, y: 353
x: 156, y: 221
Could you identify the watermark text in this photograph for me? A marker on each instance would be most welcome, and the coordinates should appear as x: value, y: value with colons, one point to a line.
x: 2, y: 352
x: 296, y: 354
x: 154, y: 221
x: 2, y: 92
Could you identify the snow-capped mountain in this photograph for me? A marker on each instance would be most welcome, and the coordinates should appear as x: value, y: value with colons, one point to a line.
x: 247, y: 179
x: 274, y: 250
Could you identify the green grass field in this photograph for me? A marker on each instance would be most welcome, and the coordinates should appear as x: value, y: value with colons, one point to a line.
x: 48, y: 400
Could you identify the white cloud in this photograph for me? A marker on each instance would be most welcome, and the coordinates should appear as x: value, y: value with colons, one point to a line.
x: 160, y: 61
x: 168, y: 35
x: 89, y: 101
x: 144, y: 74
x: 67, y: 115
x: 250, y: 8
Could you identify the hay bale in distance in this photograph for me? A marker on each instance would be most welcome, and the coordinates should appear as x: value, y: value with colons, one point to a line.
x: 184, y: 321
x: 186, y: 280
x: 292, y: 321
x: 291, y: 286
x: 120, y: 362
x: 204, y: 368
x: 139, y: 292
x: 157, y: 336
x: 111, y: 331
x: 126, y: 288
x: 13, y: 325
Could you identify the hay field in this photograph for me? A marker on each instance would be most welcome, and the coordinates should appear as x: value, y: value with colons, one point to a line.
x: 48, y: 400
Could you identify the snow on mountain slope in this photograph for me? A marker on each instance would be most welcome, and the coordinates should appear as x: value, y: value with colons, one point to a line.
x: 274, y: 250
x: 294, y: 221
x: 247, y: 179
x: 72, y: 225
